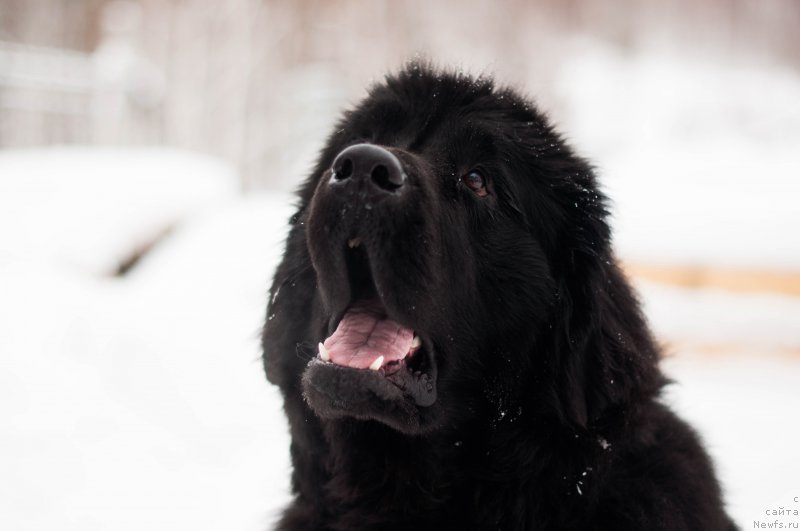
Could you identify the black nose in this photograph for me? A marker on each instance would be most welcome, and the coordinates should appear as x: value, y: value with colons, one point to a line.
x: 367, y: 162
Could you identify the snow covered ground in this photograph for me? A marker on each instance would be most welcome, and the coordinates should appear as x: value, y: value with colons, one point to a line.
x: 88, y: 209
x: 139, y: 402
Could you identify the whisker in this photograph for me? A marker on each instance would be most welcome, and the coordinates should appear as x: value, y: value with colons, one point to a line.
x: 305, y: 351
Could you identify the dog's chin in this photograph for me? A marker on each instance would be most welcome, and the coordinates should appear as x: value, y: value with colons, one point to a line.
x: 402, y: 395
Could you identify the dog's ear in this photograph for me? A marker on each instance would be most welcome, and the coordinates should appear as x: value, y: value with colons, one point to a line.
x: 605, y: 358
x: 287, y: 348
x: 286, y: 343
x: 608, y: 360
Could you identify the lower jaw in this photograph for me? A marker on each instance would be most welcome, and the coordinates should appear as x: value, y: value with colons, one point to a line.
x: 395, y: 394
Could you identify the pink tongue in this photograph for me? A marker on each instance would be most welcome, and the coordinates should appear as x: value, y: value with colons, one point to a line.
x: 364, y: 334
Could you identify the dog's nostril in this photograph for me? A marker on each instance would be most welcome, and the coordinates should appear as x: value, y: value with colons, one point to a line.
x: 384, y: 178
x: 380, y: 173
x: 345, y: 171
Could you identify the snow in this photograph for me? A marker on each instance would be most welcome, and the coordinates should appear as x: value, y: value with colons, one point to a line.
x: 717, y: 317
x: 745, y: 409
x: 139, y: 401
x: 700, y: 158
x: 89, y: 209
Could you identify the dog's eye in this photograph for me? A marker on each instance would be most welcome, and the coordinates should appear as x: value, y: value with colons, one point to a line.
x: 476, y: 182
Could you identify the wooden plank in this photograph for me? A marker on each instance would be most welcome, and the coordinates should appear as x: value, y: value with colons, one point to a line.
x: 739, y: 280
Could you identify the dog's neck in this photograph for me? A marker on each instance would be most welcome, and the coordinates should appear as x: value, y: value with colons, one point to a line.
x: 377, y: 467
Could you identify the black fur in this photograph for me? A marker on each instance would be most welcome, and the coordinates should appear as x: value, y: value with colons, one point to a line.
x: 547, y: 411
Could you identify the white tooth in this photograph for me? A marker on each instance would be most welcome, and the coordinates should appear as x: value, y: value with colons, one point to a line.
x: 416, y: 343
x: 377, y: 363
x: 355, y: 242
x: 324, y: 355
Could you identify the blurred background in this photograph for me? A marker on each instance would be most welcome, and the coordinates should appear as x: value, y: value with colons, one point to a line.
x: 147, y: 152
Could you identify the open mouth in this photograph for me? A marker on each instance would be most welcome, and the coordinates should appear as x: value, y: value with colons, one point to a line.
x: 371, y: 365
x: 367, y: 340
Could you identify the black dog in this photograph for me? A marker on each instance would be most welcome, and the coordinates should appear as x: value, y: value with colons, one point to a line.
x: 455, y: 343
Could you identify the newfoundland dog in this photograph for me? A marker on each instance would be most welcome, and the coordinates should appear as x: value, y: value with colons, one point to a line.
x: 456, y: 345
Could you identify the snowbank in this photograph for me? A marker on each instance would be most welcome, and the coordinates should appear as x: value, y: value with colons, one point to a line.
x: 90, y: 209
x: 141, y: 403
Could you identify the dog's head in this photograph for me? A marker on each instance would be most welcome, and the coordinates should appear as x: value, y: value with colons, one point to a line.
x: 446, y: 253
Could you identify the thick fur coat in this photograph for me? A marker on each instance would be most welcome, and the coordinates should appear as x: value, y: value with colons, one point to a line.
x: 456, y: 345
